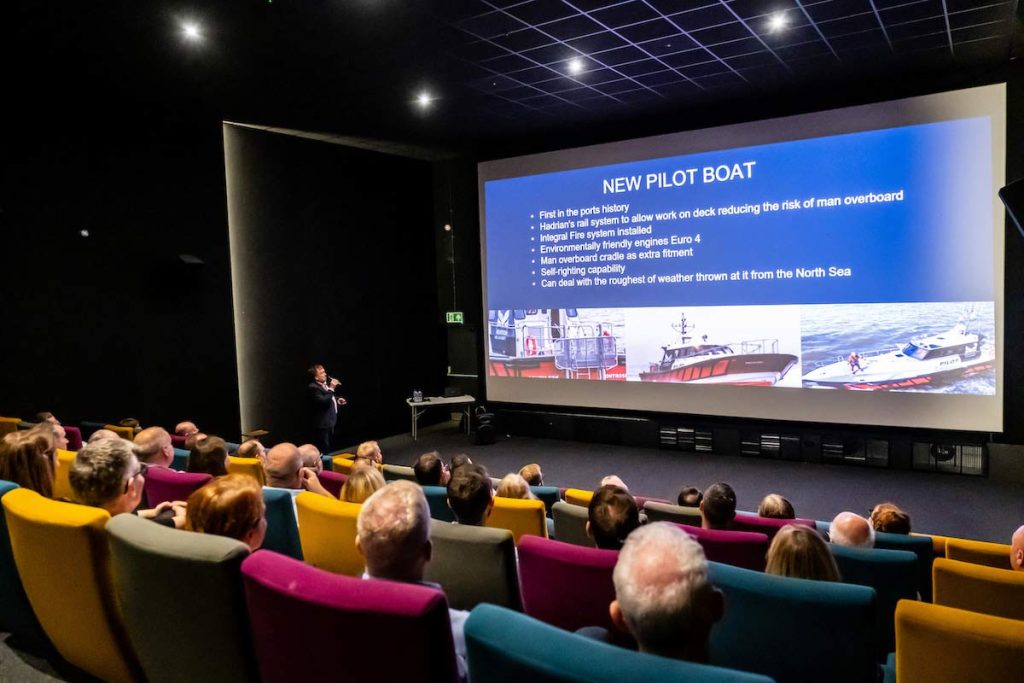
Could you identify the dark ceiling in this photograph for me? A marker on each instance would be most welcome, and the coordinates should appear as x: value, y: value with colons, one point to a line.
x: 498, y: 67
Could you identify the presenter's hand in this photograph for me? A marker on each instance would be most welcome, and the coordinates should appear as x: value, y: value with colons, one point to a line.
x: 334, y: 383
x: 342, y: 401
x: 311, y: 483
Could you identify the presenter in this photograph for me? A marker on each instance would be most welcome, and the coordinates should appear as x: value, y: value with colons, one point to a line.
x: 323, y: 406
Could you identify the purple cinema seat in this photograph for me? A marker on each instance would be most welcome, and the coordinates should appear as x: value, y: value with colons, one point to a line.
x: 74, y: 435
x: 765, y: 525
x: 566, y: 585
x: 737, y: 548
x: 297, y: 612
x: 332, y: 481
x: 164, y: 484
x: 178, y: 441
x: 641, y: 500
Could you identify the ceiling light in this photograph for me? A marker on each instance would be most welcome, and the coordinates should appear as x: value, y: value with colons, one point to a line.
x: 424, y: 99
x: 576, y: 65
x: 191, y: 31
x: 777, y: 22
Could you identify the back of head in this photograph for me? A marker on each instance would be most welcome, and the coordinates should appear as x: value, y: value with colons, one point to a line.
x: 99, y: 472
x: 101, y: 434
x: 252, y: 449
x: 1017, y: 549
x: 283, y: 466
x: 185, y: 428
x: 458, y: 461
x: 393, y: 532
x: 28, y: 458
x: 470, y: 494
x: 230, y: 506
x: 663, y: 591
x: 46, y: 416
x: 719, y: 506
x: 613, y: 515
x: 851, y: 530
x: 370, y: 450
x: 192, y: 439
x: 311, y: 457
x: 888, y: 517
x: 532, y: 474
x: 514, y: 486
x: 151, y: 444
x: 690, y: 496
x: 361, y: 484
x: 777, y: 507
x: 799, y: 551
x: 209, y: 456
x: 429, y: 469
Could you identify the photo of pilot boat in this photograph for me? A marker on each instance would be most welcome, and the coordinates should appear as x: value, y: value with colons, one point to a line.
x: 737, y: 345
x: 557, y: 343
x: 919, y: 347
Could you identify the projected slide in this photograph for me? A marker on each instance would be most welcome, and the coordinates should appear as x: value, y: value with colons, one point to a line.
x: 852, y: 263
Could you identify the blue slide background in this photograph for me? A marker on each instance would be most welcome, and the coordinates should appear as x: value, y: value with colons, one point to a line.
x: 936, y: 245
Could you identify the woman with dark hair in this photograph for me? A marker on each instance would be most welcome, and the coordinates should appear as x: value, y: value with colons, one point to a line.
x: 29, y: 459
x: 800, y: 551
x: 230, y: 506
x: 209, y: 456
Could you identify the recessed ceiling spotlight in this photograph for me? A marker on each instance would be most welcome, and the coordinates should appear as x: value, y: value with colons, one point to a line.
x: 576, y: 66
x: 777, y: 22
x: 424, y: 99
x: 191, y: 31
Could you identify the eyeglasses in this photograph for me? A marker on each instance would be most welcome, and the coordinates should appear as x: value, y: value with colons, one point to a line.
x: 143, y: 468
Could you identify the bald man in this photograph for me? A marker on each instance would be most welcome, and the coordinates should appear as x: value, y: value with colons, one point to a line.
x: 283, y: 469
x: 153, y: 447
x: 851, y: 530
x: 311, y: 457
x: 185, y: 428
x: 101, y: 434
x: 1017, y: 549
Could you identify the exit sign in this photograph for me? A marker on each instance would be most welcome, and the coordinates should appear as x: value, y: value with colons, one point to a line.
x: 454, y: 317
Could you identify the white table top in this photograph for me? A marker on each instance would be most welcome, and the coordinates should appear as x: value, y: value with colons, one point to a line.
x: 441, y: 400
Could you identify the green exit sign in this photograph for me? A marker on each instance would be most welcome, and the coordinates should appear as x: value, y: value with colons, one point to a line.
x: 454, y: 317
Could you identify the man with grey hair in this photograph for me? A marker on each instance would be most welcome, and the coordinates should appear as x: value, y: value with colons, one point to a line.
x: 851, y: 530
x: 662, y: 593
x: 311, y: 457
x: 101, y: 434
x: 153, y: 447
x: 393, y: 536
x: 283, y: 469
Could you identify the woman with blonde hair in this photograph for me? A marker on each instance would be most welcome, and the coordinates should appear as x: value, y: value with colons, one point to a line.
x: 229, y: 506
x: 799, y: 551
x: 29, y: 459
x: 514, y: 486
x: 777, y: 507
x: 361, y: 484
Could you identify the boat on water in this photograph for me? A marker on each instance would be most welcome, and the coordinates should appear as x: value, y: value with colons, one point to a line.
x: 754, y: 362
x: 955, y: 353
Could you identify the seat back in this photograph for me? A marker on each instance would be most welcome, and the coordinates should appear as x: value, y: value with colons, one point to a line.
x: 507, y: 647
x: 88, y: 428
x: 975, y: 587
x: 282, y: 529
x: 571, y: 524
x: 892, y: 573
x: 60, y: 545
x: 332, y: 481
x: 737, y: 548
x: 922, y: 546
x: 165, y: 581
x: 61, y: 480
x: 17, y: 616
x: 519, y: 516
x: 123, y: 432
x: 474, y: 564
x: 292, y: 605
x: 342, y: 464
x: 764, y: 525
x: 327, y: 528
x: 578, y: 497
x: 180, y: 460
x: 163, y: 484
x: 794, y: 630
x: 979, y: 552
x: 178, y: 441
x: 942, y: 644
x: 74, y: 436
x: 566, y: 585
x: 678, y: 514
x: 252, y: 467
x: 549, y: 495
x: 398, y: 473
x: 437, y: 500
x: 8, y: 425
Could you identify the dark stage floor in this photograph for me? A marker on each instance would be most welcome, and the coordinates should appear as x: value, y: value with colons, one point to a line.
x: 969, y: 507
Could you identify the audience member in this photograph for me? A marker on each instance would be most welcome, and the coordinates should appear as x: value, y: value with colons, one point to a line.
x: 514, y: 486
x: 56, y: 431
x: 311, y: 457
x: 611, y: 516
x: 800, y: 551
x: 107, y: 474
x: 369, y: 452
x: 888, y: 517
x: 718, y: 507
x: 393, y: 536
x: 1017, y: 549
x: 283, y: 470
x: 663, y: 597
x: 851, y: 530
x: 532, y: 474
x: 185, y: 428
x: 775, y: 506
x: 614, y: 480
x: 209, y: 456
x: 361, y: 484
x: 430, y: 470
x: 470, y: 495
x: 100, y: 434
x: 47, y: 416
x: 458, y: 461
x: 252, y: 449
x: 29, y: 459
x: 690, y: 496
x: 230, y: 506
x: 131, y: 423
x: 192, y: 439
x: 153, y: 447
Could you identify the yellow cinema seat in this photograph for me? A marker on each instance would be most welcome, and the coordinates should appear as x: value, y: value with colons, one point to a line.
x: 519, y: 516
x: 938, y: 543
x: 941, y: 644
x: 9, y: 425
x: 123, y: 432
x: 61, y: 482
x: 327, y: 532
x: 578, y: 497
x: 975, y: 587
x: 63, y: 558
x: 252, y: 467
x: 343, y: 463
x: 979, y: 552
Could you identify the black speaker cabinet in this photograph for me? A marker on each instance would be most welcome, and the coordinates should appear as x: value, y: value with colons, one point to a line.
x: 1013, y: 198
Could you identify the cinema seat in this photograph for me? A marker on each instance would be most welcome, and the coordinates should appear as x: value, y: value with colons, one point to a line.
x: 163, y: 484
x: 508, y: 647
x: 794, y: 630
x: 327, y: 529
x: 74, y: 436
x: 180, y: 460
x: 61, y: 481
x: 666, y: 512
x: 63, y: 559
x: 177, y: 440
x: 168, y: 580
x: 977, y: 588
x: 17, y: 616
x: 282, y: 529
x: 578, y: 497
x: 474, y: 564
x: 252, y: 467
x: 332, y: 481
x: 979, y: 552
x: 88, y: 428
x: 941, y: 644
x: 520, y: 516
x: 123, y: 432
x: 308, y: 625
x: 922, y: 546
x: 571, y: 524
x: 8, y: 425
x: 737, y: 548
x: 342, y: 464
x: 764, y: 525
x: 398, y: 472
x: 549, y: 495
x: 437, y: 499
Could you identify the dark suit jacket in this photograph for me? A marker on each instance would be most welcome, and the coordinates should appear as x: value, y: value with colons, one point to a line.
x: 323, y: 413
